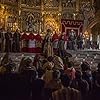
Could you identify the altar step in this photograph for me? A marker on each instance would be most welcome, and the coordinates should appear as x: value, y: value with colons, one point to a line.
x: 91, y: 56
x: 16, y: 58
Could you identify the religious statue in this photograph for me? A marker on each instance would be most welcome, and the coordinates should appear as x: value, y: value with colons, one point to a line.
x: 48, y: 3
x: 8, y: 41
x: 30, y: 26
x: 37, y: 2
x: 27, y: 2
x: 47, y: 44
x: 16, y: 41
x: 69, y: 3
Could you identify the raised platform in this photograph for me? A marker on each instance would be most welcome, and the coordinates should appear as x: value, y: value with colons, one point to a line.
x: 78, y: 56
x: 91, y: 56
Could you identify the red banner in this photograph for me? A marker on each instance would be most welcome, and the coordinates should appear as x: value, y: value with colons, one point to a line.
x: 68, y: 25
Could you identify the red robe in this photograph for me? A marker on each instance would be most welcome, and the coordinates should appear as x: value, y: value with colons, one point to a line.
x: 24, y: 39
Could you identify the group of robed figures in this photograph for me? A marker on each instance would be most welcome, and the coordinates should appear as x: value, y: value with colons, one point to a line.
x: 9, y: 42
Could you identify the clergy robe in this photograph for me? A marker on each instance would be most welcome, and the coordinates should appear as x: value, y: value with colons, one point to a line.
x: 16, y: 42
x: 8, y: 42
x: 48, y: 46
x: 55, y: 40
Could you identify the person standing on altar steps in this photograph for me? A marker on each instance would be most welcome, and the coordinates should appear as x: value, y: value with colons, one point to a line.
x: 72, y: 40
x: 47, y: 44
x: 80, y: 41
x: 16, y: 41
x: 61, y: 46
x: 8, y: 41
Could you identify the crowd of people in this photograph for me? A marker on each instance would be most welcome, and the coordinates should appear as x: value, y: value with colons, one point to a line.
x: 28, y: 42
x: 48, y: 78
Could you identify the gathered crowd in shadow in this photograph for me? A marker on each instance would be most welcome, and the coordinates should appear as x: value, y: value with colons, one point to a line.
x: 51, y: 78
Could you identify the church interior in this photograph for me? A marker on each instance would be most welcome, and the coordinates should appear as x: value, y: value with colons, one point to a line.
x: 43, y: 36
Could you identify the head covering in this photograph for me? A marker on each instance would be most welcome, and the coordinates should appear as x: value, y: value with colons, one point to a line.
x: 56, y: 74
x: 85, y: 66
x: 27, y: 64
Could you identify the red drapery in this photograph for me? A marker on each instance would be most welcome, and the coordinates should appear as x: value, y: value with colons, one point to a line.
x: 24, y: 39
x: 68, y: 25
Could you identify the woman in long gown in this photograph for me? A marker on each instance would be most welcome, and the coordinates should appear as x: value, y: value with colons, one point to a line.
x: 47, y: 44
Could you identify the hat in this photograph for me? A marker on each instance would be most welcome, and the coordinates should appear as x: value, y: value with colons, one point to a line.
x: 27, y: 60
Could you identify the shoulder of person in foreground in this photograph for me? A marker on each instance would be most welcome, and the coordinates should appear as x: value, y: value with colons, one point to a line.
x: 66, y: 93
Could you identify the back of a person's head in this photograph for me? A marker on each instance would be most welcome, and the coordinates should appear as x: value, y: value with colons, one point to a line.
x: 98, y: 81
x: 78, y: 74
x: 2, y: 70
x: 44, y: 61
x: 66, y: 60
x: 56, y: 74
x: 41, y: 72
x: 65, y: 80
x: 70, y: 64
x: 27, y: 61
x: 10, y: 66
x: 36, y: 56
x: 50, y: 58
x: 56, y: 53
x: 30, y: 73
x: 85, y: 66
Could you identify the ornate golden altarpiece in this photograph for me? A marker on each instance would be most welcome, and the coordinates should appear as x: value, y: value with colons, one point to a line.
x: 38, y: 15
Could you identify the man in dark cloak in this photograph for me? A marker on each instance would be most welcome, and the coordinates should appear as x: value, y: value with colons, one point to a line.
x: 79, y: 41
x: 8, y: 41
x: 16, y: 41
x: 61, y: 46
